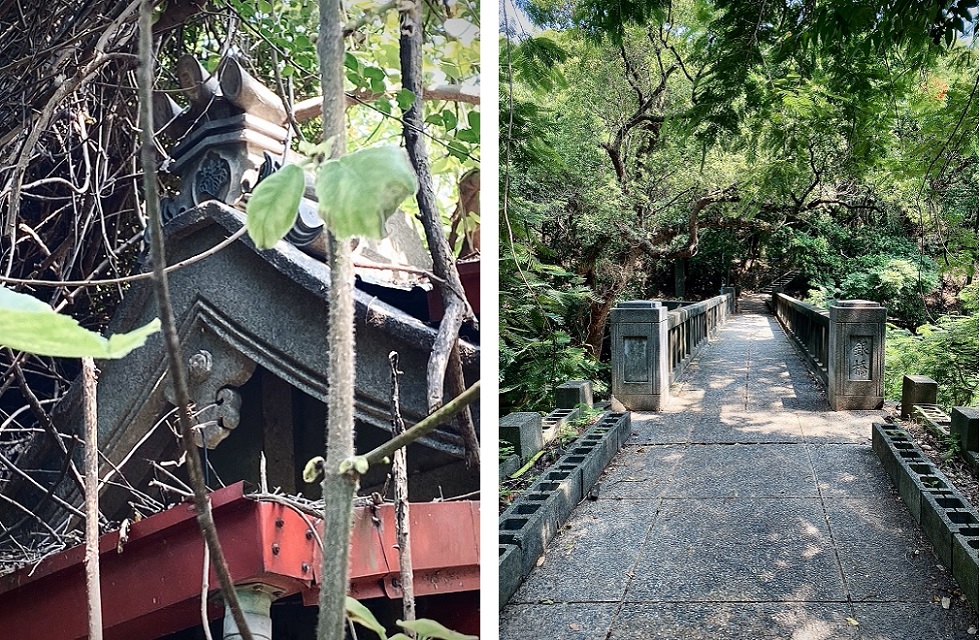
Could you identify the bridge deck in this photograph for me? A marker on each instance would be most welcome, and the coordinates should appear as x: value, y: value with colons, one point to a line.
x: 746, y: 510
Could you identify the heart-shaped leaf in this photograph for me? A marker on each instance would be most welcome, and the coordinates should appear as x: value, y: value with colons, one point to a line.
x: 273, y: 205
x: 359, y: 191
x: 432, y: 629
x: 27, y: 324
x: 360, y: 614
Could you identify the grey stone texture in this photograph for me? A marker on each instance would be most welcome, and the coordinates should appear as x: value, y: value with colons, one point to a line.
x: 963, y: 426
x: 571, y: 394
x: 523, y: 430
x: 856, y: 355
x: 917, y: 390
x: 640, y: 377
x: 745, y: 509
x: 258, y: 309
x: 948, y: 520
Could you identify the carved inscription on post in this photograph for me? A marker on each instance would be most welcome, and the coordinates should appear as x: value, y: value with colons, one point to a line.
x: 635, y: 367
x: 859, y: 359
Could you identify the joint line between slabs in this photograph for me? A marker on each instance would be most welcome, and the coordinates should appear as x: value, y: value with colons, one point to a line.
x: 632, y: 572
x: 830, y: 532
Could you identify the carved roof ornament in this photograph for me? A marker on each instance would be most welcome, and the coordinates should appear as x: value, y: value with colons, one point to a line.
x: 230, y: 130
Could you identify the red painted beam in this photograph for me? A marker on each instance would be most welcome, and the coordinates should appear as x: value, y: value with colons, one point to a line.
x: 152, y: 586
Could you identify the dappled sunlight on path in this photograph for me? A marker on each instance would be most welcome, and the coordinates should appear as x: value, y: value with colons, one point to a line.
x: 746, y: 509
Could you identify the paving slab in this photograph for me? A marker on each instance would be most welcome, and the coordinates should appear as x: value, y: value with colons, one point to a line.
x: 883, y: 552
x: 738, y: 550
x: 593, y: 554
x: 849, y: 470
x: 748, y: 427
x: 557, y: 621
x: 733, y: 621
x: 662, y: 428
x: 838, y: 426
x: 906, y: 620
x: 642, y: 471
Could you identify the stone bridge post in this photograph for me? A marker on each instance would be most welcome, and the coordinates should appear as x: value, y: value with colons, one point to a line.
x: 640, y: 375
x: 732, y: 301
x: 856, y: 355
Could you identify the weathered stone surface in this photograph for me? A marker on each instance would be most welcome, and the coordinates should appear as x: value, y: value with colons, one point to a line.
x: 738, y: 550
x: 552, y: 423
x: 509, y: 567
x: 726, y: 621
x: 509, y: 465
x: 523, y: 430
x: 557, y: 621
x: 964, y: 426
x: 964, y: 558
x: 848, y: 470
x: 640, y: 378
x: 269, y: 307
x: 591, y: 557
x: 942, y: 513
x: 901, y: 620
x: 917, y: 390
x: 883, y: 552
x: 856, y: 355
x: 571, y: 394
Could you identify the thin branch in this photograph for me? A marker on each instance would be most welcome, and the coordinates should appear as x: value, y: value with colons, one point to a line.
x: 410, y: 54
x: 178, y: 374
x: 399, y: 469
x: 440, y: 416
x: 338, y: 487
x: 93, y: 588
x: 133, y: 278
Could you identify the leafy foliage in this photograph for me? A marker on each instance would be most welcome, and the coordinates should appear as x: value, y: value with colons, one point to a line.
x: 273, y: 206
x: 359, y: 191
x: 946, y: 351
x: 745, y: 139
x: 27, y: 324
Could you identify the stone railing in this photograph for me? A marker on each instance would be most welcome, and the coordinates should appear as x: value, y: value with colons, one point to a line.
x: 844, y: 347
x: 808, y: 326
x: 653, y: 341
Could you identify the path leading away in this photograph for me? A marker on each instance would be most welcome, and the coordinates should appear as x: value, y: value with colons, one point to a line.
x: 746, y: 510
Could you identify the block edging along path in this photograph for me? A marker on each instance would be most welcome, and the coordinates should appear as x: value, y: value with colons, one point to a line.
x: 531, y: 521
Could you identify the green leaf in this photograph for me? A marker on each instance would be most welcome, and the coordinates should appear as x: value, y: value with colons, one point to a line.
x: 468, y: 135
x: 432, y: 629
x: 359, y: 191
x: 457, y: 150
x: 405, y: 99
x: 374, y: 73
x: 360, y: 614
x: 272, y: 208
x: 449, y: 118
x: 27, y: 324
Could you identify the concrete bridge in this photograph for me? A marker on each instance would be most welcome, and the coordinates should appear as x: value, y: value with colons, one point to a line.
x: 744, y: 508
